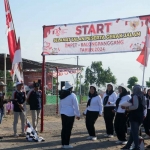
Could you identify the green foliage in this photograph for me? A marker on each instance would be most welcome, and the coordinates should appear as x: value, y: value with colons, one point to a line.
x: 9, y: 86
x: 148, y: 83
x: 132, y: 81
x: 96, y: 74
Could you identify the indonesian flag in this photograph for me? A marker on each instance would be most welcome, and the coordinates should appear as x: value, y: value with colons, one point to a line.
x: 143, y: 57
x: 14, y: 46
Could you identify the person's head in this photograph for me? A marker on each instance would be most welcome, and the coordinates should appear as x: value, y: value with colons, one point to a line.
x: 109, y: 87
x: 36, y: 86
x: 148, y: 92
x: 19, y: 86
x: 122, y: 89
x: 2, y: 86
x: 92, y: 89
x: 68, y: 86
x: 137, y: 90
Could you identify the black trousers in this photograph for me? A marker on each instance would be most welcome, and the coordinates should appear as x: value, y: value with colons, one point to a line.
x: 109, y: 118
x: 121, y: 126
x: 67, y: 124
x: 146, y: 123
x: 91, y: 117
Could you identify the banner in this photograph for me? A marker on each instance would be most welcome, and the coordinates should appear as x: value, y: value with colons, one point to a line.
x: 99, y: 37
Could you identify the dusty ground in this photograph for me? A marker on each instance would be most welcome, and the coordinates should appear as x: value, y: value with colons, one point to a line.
x: 52, y: 127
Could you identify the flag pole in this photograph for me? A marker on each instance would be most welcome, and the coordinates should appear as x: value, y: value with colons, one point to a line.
x: 145, y: 60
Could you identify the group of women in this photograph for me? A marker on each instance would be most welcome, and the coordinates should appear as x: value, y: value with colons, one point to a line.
x: 115, y: 115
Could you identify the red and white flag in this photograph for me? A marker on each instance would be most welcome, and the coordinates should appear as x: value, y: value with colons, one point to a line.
x: 143, y: 57
x: 14, y: 46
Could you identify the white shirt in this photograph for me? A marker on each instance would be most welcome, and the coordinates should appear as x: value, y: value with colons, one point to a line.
x: 112, y: 99
x: 123, y: 99
x: 95, y: 105
x: 69, y: 106
x: 146, y: 102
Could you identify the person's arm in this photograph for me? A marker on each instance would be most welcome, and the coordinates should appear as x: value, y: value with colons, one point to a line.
x: 76, y: 106
x: 114, y: 98
x: 28, y: 96
x: 135, y: 103
x: 100, y: 105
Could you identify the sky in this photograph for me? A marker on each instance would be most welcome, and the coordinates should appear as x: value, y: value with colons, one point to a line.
x: 30, y: 15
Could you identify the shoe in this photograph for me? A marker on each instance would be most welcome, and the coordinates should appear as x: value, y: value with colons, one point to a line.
x: 16, y: 135
x: 125, y: 148
x: 22, y: 135
x: 146, y: 136
x: 1, y: 137
x: 118, y: 142
x: 124, y: 142
x: 89, y: 138
x: 67, y: 146
x: 136, y: 148
x: 110, y: 136
x: 94, y: 138
x: 106, y: 135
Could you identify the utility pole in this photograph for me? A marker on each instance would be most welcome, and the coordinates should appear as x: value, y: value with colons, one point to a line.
x: 5, y: 56
x: 77, y: 74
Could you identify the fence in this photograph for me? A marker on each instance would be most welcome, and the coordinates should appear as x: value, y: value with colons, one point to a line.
x: 51, y: 99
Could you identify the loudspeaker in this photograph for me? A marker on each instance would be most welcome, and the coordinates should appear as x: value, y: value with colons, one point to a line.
x: 62, y: 84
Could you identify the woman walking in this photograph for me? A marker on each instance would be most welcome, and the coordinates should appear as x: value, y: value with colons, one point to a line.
x: 146, y: 122
x: 136, y: 116
x: 93, y: 110
x: 121, y: 116
x: 68, y: 109
x: 109, y: 102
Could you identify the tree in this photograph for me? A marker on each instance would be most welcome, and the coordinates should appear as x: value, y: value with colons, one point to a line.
x: 9, y: 86
x: 132, y: 81
x: 148, y: 83
x: 97, y: 75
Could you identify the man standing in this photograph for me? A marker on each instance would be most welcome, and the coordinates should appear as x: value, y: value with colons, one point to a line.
x: 19, y: 109
x: 34, y: 99
x: 2, y: 101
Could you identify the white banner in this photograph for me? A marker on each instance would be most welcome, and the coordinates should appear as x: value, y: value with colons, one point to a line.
x: 110, y: 36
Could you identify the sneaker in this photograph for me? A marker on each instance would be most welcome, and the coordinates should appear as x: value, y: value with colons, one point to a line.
x: 106, y: 135
x: 67, y: 146
x: 136, y: 148
x: 89, y: 138
x: 16, y: 135
x: 125, y: 148
x: 118, y: 142
x: 94, y: 138
x: 22, y: 135
x: 146, y: 136
x: 110, y: 136
x: 124, y: 142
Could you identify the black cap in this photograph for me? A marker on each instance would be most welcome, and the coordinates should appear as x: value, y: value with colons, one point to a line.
x: 36, y: 84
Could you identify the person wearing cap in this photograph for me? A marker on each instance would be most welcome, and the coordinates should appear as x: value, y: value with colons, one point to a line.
x: 68, y: 108
x: 34, y: 100
x: 136, y: 116
x: 109, y: 102
x: 121, y: 116
x: 93, y: 111
x: 19, y: 108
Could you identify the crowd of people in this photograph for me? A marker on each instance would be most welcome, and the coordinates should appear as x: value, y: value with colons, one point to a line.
x: 117, y: 116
